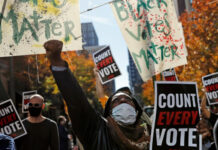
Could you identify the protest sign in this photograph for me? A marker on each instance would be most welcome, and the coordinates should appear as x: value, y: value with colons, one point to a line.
x: 210, y: 83
x: 154, y: 36
x: 25, y: 100
x: 106, y: 65
x: 27, y: 24
x: 10, y: 123
x: 176, y: 116
x: 170, y: 75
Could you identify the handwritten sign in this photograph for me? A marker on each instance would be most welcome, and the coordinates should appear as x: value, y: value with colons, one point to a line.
x: 210, y: 83
x: 176, y: 116
x: 106, y: 65
x: 27, y: 24
x: 154, y: 36
x: 10, y: 123
x: 26, y: 98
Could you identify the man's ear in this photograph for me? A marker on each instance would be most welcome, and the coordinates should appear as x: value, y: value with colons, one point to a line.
x: 43, y: 105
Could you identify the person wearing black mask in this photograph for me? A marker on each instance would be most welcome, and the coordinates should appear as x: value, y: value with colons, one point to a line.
x: 42, y: 132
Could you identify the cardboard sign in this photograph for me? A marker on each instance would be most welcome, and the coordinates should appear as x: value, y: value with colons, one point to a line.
x: 106, y: 65
x: 210, y: 82
x: 154, y: 36
x: 25, y: 101
x: 10, y: 123
x: 27, y: 24
x: 176, y: 116
x: 170, y: 75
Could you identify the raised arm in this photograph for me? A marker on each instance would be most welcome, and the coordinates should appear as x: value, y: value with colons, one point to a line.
x: 84, y: 119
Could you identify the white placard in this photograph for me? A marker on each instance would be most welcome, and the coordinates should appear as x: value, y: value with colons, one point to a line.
x: 154, y: 36
x: 28, y: 24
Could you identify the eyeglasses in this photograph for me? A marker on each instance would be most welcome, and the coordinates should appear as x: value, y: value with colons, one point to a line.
x: 35, y: 105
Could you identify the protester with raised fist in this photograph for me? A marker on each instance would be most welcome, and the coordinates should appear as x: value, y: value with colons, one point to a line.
x: 42, y: 132
x: 118, y: 129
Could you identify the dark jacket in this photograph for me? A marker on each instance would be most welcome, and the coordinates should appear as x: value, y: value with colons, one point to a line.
x: 63, y: 136
x: 214, y: 122
x: 89, y: 127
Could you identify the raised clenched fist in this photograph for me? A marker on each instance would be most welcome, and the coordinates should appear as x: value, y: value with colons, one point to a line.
x: 53, y: 50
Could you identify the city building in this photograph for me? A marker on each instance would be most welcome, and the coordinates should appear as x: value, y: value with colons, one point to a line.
x: 89, y: 35
x: 135, y: 80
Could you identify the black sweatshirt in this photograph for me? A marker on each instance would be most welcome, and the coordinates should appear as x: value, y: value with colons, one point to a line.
x: 40, y: 136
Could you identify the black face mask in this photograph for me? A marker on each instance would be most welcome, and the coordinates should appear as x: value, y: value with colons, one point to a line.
x: 35, y: 111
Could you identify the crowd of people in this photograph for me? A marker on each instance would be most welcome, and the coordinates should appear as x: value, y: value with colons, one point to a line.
x: 123, y: 126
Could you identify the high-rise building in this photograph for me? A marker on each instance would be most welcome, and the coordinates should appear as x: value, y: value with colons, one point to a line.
x: 89, y: 35
x: 135, y: 80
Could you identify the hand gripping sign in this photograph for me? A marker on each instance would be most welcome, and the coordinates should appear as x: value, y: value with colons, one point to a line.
x: 106, y: 65
x: 176, y: 116
x: 10, y: 123
x: 210, y: 83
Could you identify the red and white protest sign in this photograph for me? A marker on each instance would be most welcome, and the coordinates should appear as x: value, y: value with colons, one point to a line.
x: 10, y: 122
x: 153, y: 34
x: 26, y: 99
x: 106, y: 65
x: 176, y: 115
x: 170, y: 75
x: 210, y: 83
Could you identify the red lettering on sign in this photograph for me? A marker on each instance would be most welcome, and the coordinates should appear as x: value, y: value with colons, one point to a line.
x: 160, y: 118
x: 177, y: 118
x: 7, y: 119
x: 170, y: 116
x: 185, y: 118
x: 213, y: 87
x: 105, y: 62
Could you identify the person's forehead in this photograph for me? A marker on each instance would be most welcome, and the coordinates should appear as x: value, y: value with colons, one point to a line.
x: 122, y: 97
x: 36, y: 100
x: 125, y: 96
